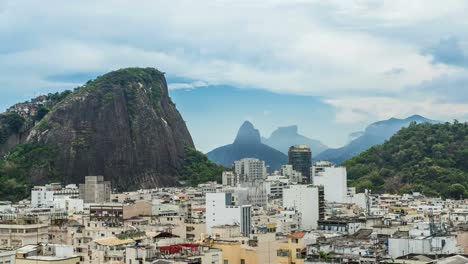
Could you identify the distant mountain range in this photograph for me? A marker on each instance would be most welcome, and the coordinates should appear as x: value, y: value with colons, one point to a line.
x: 376, y: 133
x: 273, y: 150
x: 284, y: 137
x: 248, y: 145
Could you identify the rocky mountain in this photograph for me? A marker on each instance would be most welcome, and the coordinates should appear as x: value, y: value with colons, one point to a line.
x: 247, y: 144
x: 375, y: 133
x: 425, y: 157
x: 284, y: 137
x: 122, y: 125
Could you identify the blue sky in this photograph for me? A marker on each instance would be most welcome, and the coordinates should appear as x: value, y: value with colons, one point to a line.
x: 329, y: 66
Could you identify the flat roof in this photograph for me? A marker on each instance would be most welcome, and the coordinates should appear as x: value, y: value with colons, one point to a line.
x: 113, y: 241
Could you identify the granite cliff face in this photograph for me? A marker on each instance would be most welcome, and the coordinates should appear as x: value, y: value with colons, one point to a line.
x: 123, y: 125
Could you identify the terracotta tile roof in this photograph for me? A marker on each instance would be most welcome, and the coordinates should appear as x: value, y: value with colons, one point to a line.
x: 297, y: 235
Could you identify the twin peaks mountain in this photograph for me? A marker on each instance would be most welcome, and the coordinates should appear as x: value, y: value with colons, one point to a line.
x: 122, y: 125
x: 284, y: 137
x: 375, y: 134
x: 248, y: 145
x: 273, y: 150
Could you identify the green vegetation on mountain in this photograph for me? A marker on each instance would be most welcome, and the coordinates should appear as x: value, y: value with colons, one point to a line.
x: 122, y: 125
x: 198, y: 168
x: 374, y: 134
x: 10, y: 123
x: 16, y: 166
x: 428, y: 158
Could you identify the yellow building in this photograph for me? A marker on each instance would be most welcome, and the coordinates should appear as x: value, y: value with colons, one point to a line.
x: 234, y: 252
x: 292, y: 251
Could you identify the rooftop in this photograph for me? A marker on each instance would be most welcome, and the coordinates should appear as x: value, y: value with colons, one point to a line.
x: 297, y: 235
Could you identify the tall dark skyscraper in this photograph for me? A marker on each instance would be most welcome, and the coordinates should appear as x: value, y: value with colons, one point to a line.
x: 300, y: 157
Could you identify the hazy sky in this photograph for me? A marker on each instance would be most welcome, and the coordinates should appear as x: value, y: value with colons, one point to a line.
x: 329, y: 66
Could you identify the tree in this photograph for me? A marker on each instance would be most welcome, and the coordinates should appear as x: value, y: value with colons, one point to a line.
x: 199, y: 169
x: 422, y: 157
x: 456, y: 191
x: 41, y: 112
x: 14, y: 121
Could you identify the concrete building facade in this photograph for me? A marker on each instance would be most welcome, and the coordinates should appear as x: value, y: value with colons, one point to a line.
x: 95, y: 190
x: 300, y: 157
x: 333, y: 179
x: 306, y: 200
x: 220, y: 210
x: 249, y: 169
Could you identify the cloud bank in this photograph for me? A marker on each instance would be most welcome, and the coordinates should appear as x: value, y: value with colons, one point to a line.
x: 370, y: 60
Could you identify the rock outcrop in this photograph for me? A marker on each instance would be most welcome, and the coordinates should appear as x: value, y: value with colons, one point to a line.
x: 122, y: 125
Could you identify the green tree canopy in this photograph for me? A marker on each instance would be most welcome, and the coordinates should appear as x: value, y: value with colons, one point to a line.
x: 430, y: 158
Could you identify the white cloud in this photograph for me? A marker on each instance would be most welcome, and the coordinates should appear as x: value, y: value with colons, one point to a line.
x: 363, y: 109
x: 333, y: 49
x: 191, y: 85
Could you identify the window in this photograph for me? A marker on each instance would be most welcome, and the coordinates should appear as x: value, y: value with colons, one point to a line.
x: 242, y: 261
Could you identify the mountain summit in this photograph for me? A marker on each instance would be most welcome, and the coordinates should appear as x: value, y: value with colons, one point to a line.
x: 284, y: 137
x: 247, y: 144
x: 247, y: 134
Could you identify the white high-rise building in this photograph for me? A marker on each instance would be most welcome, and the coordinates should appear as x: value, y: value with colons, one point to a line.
x: 250, y: 169
x: 230, y: 178
x: 293, y: 176
x: 44, y: 196
x: 333, y: 179
x: 220, y: 210
x: 306, y: 200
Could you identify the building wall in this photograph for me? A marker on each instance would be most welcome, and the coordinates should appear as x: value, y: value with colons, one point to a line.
x: 230, y: 178
x: 300, y: 157
x: 462, y: 240
x: 293, y: 247
x: 7, y: 257
x: 266, y: 248
x: 219, y: 212
x: 41, y: 197
x: 72, y: 260
x: 398, y: 247
x: 334, y: 182
x: 190, y: 231
x: 20, y: 235
x: 234, y: 252
x: 69, y: 204
x: 305, y: 198
x: 95, y: 190
x: 250, y: 169
x: 139, y: 208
